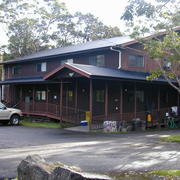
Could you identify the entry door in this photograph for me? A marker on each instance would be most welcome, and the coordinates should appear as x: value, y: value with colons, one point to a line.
x: 28, y: 97
x: 114, y: 98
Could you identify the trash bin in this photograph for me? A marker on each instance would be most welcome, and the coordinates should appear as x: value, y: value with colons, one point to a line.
x: 84, y: 123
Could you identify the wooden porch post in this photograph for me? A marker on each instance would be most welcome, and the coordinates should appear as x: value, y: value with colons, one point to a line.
x: 90, y: 103
x: 135, y: 105
x: 159, y: 98
x: 76, y: 95
x: 21, y: 98
x: 61, y: 96
x: 121, y: 101
x: 177, y: 98
x: 33, y: 98
x: 1, y: 93
x: 106, y: 100
x: 47, y: 100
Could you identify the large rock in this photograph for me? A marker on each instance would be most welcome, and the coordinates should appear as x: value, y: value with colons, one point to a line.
x: 33, y: 168
x: 36, y: 168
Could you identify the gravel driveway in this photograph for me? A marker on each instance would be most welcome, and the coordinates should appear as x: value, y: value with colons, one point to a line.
x: 91, y: 152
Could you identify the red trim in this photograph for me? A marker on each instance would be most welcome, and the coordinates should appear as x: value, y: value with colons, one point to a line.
x: 68, y: 67
x: 50, y: 116
x: 42, y: 114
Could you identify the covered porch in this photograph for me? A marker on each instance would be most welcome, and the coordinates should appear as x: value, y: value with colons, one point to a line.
x: 73, y: 93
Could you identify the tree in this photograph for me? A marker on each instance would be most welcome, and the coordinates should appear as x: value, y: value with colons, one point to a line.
x: 40, y: 24
x: 164, y: 45
x: 28, y: 35
x: 90, y: 28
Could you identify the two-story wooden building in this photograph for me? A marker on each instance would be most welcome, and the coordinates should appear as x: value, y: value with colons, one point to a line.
x: 106, y: 78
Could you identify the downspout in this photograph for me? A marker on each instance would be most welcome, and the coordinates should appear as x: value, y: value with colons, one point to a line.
x: 120, y: 54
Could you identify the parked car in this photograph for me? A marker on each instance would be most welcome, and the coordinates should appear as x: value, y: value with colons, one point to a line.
x: 10, y: 115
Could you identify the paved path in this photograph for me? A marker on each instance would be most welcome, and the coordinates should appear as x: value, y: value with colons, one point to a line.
x: 91, y: 152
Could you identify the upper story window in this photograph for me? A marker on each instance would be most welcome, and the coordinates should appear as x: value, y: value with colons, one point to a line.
x: 41, y: 67
x: 66, y: 61
x: 135, y: 61
x: 97, y: 60
x: 16, y: 69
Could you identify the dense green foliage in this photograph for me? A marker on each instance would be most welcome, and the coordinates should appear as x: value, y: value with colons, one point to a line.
x: 161, y: 18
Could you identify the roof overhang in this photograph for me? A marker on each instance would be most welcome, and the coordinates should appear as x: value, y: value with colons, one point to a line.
x: 94, y: 72
x: 28, y: 80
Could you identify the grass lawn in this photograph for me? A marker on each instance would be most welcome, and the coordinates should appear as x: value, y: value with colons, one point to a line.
x: 166, y: 173
x: 45, y: 124
x: 175, y: 138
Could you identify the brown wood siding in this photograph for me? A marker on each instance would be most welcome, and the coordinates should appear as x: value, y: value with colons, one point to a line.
x: 111, y: 60
x: 29, y: 68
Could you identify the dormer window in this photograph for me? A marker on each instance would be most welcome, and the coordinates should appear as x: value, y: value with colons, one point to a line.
x: 97, y: 60
x: 41, y: 67
x: 135, y: 61
x: 16, y: 70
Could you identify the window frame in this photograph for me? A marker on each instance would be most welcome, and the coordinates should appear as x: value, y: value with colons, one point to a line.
x: 16, y: 69
x: 94, y: 60
x: 100, y: 96
x: 42, y: 68
x: 135, y: 66
x: 40, y: 95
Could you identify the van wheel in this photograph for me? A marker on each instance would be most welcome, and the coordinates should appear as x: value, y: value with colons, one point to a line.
x: 15, y: 119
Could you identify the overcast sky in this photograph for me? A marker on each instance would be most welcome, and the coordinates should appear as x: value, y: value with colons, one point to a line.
x: 108, y: 11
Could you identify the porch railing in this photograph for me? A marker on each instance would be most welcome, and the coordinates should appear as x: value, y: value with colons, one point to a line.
x: 40, y: 107
x: 158, y: 117
x: 71, y: 114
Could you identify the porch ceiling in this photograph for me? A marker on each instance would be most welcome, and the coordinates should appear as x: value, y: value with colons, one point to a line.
x: 91, y: 71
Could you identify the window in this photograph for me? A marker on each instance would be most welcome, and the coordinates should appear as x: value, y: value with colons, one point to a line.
x: 97, y: 60
x: 66, y: 61
x: 140, y: 96
x: 135, y: 61
x: 40, y: 95
x: 41, y: 67
x: 100, y: 96
x: 70, y: 95
x: 16, y: 69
